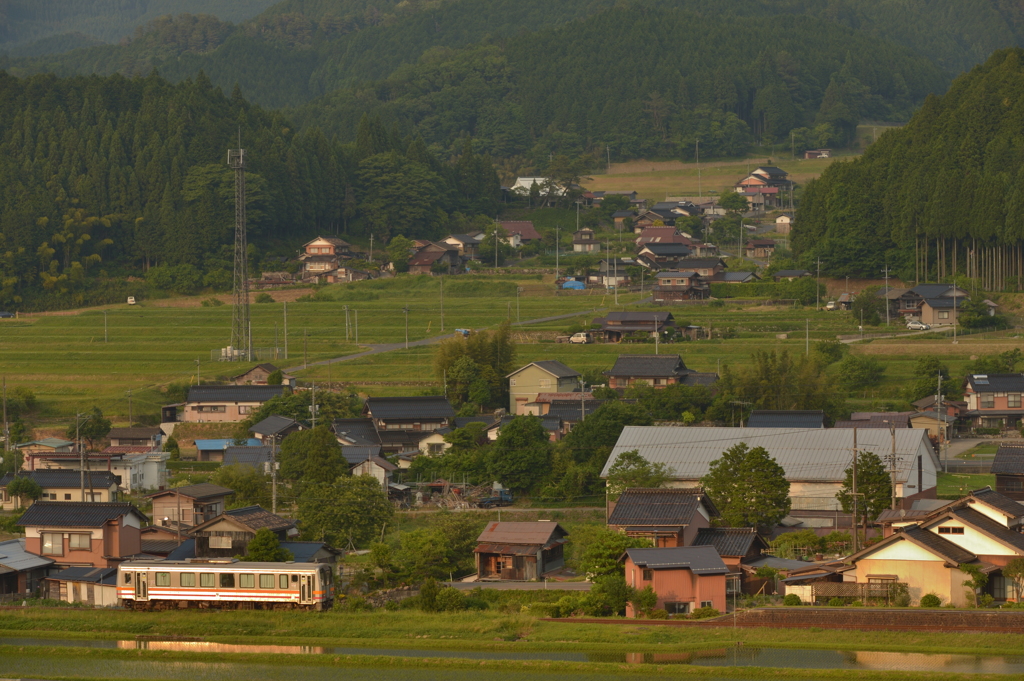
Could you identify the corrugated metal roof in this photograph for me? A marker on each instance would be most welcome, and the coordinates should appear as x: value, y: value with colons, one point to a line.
x: 521, y: 533
x: 233, y: 393
x: 75, y: 513
x: 256, y: 518
x: 14, y: 556
x: 806, y: 454
x: 508, y: 549
x: 700, y: 560
x: 93, y: 575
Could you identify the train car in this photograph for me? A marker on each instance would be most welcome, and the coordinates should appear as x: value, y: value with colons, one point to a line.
x: 224, y: 583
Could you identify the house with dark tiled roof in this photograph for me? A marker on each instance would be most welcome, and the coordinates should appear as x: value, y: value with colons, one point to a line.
x: 524, y: 228
x: 421, y: 413
x: 275, y: 428
x: 674, y: 286
x: 229, y: 534
x: 617, y: 325
x: 189, y: 505
x: 467, y: 245
x: 684, y: 578
x: 666, y: 516
x: 258, y: 376
x: 62, y: 485
x: 790, y: 275
x: 356, y: 431
x: 770, y: 418
x: 258, y: 457
x: 136, y: 436
x: 759, y: 248
x: 584, y: 241
x: 1008, y: 467
x: 519, y: 551
x: 435, y: 256
x: 932, y: 304
x: 222, y: 403
x: 657, y: 371
x: 925, y: 550
x: 21, y: 571
x: 81, y: 533
x: 994, y: 400
x: 737, y: 546
x: 545, y: 376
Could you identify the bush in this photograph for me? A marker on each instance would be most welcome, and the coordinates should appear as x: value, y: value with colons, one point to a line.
x: 265, y: 298
x: 792, y: 599
x: 987, y: 431
x: 930, y: 601
x: 319, y: 296
x: 659, y: 614
x: 704, y: 613
x: 836, y: 602
x: 212, y: 302
x: 428, y: 595
x: 857, y: 604
x: 902, y: 601
x: 355, y: 604
x: 450, y: 599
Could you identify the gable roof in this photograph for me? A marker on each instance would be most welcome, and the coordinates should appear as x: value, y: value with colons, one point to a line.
x: 1009, y: 460
x: 256, y: 518
x: 358, y: 431
x: 660, y: 507
x: 53, y: 442
x: 540, y: 533
x: 700, y: 560
x: 771, y: 171
x: 524, y: 228
x: 137, y: 433
x: 1000, y: 383
x: 552, y: 366
x: 421, y: 407
x: 930, y: 541
x: 92, y: 575
x: 739, y: 276
x: 57, y: 478
x: 234, y: 393
x: 274, y: 425
x: 634, y: 317
x: 666, y: 249
x: 937, y: 290
x: 204, y: 490
x: 987, y: 526
x: 770, y: 418
x: 648, y: 366
x: 247, y: 456
x: 356, y: 454
x: 76, y: 513
x: 806, y: 454
x: 730, y: 541
x: 570, y: 410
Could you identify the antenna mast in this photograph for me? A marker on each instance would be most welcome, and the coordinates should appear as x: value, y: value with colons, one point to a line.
x: 240, y: 316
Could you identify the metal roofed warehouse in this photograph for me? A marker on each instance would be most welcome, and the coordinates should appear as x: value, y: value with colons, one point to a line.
x: 815, y: 459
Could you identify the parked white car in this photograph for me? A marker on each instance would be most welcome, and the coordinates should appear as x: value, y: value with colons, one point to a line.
x: 581, y: 338
x: 915, y: 325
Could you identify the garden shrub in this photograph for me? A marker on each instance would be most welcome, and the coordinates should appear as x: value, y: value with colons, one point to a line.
x: 792, y: 599
x: 450, y: 599
x: 429, y: 590
x: 902, y: 601
x: 857, y: 604
x: 212, y: 302
x: 658, y: 614
x: 265, y: 298
x: 704, y: 613
x: 930, y: 600
x: 836, y: 602
x: 480, y: 604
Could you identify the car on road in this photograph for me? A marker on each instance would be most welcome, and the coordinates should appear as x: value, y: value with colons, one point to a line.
x: 581, y: 338
x: 915, y: 325
x: 6, y: 315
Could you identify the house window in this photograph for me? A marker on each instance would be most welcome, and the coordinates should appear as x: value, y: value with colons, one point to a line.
x: 706, y: 604
x: 163, y: 578
x: 227, y: 581
x: 951, y: 530
x: 245, y: 409
x: 1013, y: 400
x: 247, y: 581
x: 648, y: 575
x: 943, y: 314
x: 53, y: 544
x: 207, y: 579
x: 677, y: 608
x: 220, y: 542
x: 210, y: 409
x: 266, y: 581
x: 988, y: 400
x: 435, y: 448
x: 79, y: 542
x: 53, y: 497
x: 67, y: 497
x: 187, y: 579
x: 282, y: 581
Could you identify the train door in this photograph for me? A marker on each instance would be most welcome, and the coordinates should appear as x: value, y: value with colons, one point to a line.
x: 305, y: 589
x: 141, y: 586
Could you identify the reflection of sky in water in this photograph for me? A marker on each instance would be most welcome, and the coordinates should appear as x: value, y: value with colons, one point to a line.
x: 15, y: 665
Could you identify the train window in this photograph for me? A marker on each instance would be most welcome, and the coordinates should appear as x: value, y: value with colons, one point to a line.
x: 163, y: 578
x: 127, y: 578
x: 247, y: 581
x: 282, y: 582
x: 295, y: 578
x: 266, y: 581
x: 227, y: 581
x: 207, y: 579
x: 187, y: 578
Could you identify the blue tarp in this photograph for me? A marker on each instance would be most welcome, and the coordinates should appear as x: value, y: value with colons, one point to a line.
x: 222, y: 444
x: 574, y: 285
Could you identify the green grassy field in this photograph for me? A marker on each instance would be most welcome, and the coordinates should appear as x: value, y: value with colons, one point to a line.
x: 65, y: 361
x: 958, y: 484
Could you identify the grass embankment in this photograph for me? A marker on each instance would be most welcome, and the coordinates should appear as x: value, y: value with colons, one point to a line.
x: 955, y: 485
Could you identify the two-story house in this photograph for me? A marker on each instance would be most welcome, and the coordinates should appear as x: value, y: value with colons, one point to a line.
x: 321, y: 257
x: 994, y: 400
x: 468, y: 245
x: 546, y: 376
x: 662, y: 254
x: 222, y: 403
x: 612, y: 272
x: 584, y: 241
x: 523, y: 229
x: 422, y: 413
x: 933, y: 304
x: 80, y: 533
x: 433, y: 256
x: 656, y: 371
x: 673, y: 286
x: 189, y: 505
x: 259, y: 374
x: 759, y: 248
x: 765, y: 185
x: 62, y: 485
x: 136, y: 436
x: 616, y: 325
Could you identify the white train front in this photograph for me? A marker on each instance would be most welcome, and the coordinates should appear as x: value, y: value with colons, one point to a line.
x: 227, y: 584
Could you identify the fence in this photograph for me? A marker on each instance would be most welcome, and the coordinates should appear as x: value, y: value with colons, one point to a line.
x: 885, y: 591
x: 969, y: 467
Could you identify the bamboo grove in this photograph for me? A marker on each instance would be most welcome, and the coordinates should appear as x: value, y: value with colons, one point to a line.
x: 940, y: 198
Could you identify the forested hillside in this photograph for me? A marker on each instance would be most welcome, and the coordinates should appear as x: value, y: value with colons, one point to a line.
x: 939, y: 197
x: 108, y: 177
x: 26, y: 21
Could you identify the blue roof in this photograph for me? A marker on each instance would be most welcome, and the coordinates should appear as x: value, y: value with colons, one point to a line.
x: 187, y: 549
x: 223, y: 443
x: 573, y: 285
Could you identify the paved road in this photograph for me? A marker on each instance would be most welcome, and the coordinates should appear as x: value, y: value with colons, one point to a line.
x: 390, y: 347
x: 894, y: 335
x: 959, y: 446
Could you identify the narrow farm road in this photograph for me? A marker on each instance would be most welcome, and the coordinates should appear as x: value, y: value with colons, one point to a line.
x: 390, y: 347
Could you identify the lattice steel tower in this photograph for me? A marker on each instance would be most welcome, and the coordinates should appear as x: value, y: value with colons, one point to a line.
x: 240, y: 340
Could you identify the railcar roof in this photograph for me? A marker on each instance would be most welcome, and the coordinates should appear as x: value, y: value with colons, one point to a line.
x: 238, y: 565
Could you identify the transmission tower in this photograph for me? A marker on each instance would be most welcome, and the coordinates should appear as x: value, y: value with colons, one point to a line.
x: 240, y: 317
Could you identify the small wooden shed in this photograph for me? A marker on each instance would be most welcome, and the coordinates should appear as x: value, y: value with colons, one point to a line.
x: 519, y: 551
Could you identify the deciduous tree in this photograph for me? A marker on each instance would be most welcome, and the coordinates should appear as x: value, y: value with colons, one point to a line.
x: 749, y: 488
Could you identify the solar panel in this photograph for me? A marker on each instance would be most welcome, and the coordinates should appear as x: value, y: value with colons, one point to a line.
x: 981, y: 379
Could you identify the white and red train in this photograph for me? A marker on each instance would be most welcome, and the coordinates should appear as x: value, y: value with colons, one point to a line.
x: 226, y: 584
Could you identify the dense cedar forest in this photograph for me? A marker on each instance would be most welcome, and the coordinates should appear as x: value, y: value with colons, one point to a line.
x: 108, y: 177
x: 942, y: 196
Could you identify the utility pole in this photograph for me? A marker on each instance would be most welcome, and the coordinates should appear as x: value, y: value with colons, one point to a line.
x: 441, y: 277
x: 81, y: 454
x: 286, y: 329
x: 853, y: 522
x: 305, y: 348
x: 609, y: 151
x: 406, y: 311
x: 312, y: 407
x: 371, y: 249
x: 519, y: 289
x: 817, y: 289
x: 240, y: 314
x: 130, y: 421
x: 7, y: 428
x: 657, y: 334
x: 198, y: 379
x: 892, y: 462
x: 698, y: 169
x: 495, y: 243
x: 347, y: 326
x: 807, y: 336
x: 273, y: 473
x: 357, y: 326
x: 886, y: 270
x: 557, y: 237
x: 105, y: 326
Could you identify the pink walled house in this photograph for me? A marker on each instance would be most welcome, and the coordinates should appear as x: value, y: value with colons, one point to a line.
x: 684, y: 578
